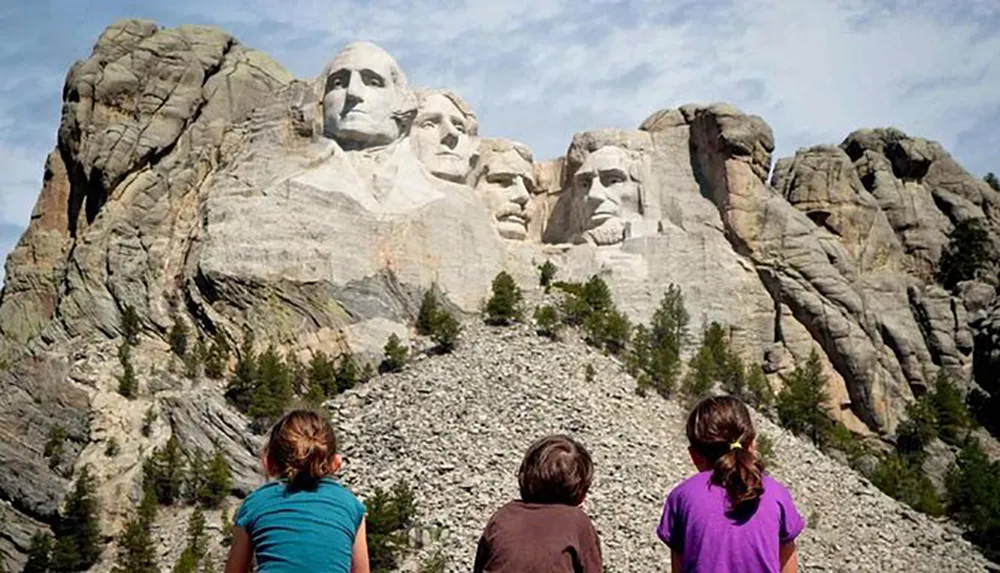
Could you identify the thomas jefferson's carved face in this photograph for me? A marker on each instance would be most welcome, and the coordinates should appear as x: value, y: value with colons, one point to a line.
x: 443, y: 138
x: 364, y: 87
x: 505, y: 186
x: 608, y: 194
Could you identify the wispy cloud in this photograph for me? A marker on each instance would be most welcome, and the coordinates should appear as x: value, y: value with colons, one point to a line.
x: 540, y: 70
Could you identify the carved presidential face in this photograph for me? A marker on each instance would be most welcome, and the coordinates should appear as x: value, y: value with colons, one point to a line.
x: 608, y: 194
x: 443, y: 137
x: 364, y: 87
x: 505, y: 186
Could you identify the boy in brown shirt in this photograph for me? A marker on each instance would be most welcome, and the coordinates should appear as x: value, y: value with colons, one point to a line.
x: 545, y: 531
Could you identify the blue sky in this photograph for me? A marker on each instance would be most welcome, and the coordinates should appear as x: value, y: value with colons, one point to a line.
x: 540, y: 70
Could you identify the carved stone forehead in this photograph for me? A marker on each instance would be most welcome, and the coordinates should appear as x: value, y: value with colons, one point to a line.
x: 606, y: 158
x: 361, y: 55
x: 508, y: 162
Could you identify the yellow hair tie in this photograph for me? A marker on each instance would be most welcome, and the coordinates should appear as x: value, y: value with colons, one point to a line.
x: 736, y: 445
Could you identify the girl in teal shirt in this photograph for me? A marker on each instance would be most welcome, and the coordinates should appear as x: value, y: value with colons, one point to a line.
x: 303, y: 520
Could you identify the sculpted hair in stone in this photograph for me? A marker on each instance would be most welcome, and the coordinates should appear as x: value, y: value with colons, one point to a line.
x: 720, y: 429
x: 555, y: 469
x: 301, y: 448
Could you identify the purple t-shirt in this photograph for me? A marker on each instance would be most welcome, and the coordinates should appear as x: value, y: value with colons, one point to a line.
x: 697, y: 524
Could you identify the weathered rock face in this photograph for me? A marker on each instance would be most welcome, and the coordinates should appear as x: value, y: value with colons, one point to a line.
x: 197, y: 181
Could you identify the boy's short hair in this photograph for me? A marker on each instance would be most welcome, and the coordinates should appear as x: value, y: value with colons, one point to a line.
x: 555, y: 469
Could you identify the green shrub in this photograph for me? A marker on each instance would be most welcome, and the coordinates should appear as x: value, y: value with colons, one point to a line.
x: 427, y: 315
x: 920, y: 427
x: 802, y: 402
x: 839, y: 437
x: 395, y: 355
x: 178, y: 339
x: 217, y: 356
x: 968, y: 253
x: 759, y: 393
x: 504, y: 307
x: 389, y: 519
x: 127, y: 382
x: 547, y: 321
x: 240, y: 390
x: 992, y: 181
x: 547, y: 272
x: 55, y: 446
x: 953, y: 417
x: 272, y: 391
x: 78, y: 532
x: 974, y: 497
x: 437, y: 563
x: 39, y: 554
x: 445, y: 331
x: 130, y: 325
x: 147, y: 422
x: 765, y: 449
x: 112, y: 449
x: 136, y: 552
x: 903, y: 479
x: 196, y: 546
x: 163, y: 473
x: 589, y: 373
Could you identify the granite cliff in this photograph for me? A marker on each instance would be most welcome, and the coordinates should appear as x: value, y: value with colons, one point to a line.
x: 196, y: 181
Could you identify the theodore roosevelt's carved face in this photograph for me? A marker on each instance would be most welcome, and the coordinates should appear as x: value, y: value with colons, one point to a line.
x: 364, y: 89
x: 609, y: 194
x: 443, y: 135
x: 505, y: 185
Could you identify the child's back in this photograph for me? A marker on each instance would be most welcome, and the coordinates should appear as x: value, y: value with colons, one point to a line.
x: 698, y: 520
x: 304, y: 520
x: 545, y: 531
x: 538, y: 537
x: 302, y: 530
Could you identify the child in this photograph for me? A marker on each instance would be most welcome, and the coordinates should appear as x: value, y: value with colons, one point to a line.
x: 546, y: 531
x: 304, y: 520
x: 730, y: 517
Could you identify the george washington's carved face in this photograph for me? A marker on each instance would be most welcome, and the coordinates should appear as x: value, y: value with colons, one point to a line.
x: 609, y: 195
x: 364, y: 88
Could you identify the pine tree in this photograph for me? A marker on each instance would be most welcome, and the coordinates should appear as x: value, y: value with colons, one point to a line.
x: 657, y: 350
x: 130, y: 325
x: 969, y: 251
x: 347, y: 373
x: 802, y: 402
x: 427, y: 316
x: 504, y: 307
x: 547, y: 321
x: 164, y: 472
x: 147, y: 422
x: 920, y: 427
x: 218, y: 481
x: 178, y: 339
x: 395, y: 355
x: 243, y: 384
x: 40, y: 554
x: 196, y: 547
x: 227, y: 528
x: 273, y: 389
x: 368, y: 372
x: 196, y: 477
x: 953, y: 416
x: 322, y: 375
x: 127, y: 383
x: 759, y: 393
x: 194, y: 359
x: 547, y: 272
x: 136, y: 553
x: 78, y: 535
x: 217, y: 356
x: 992, y: 181
x: 974, y: 496
x: 54, y: 446
x: 445, y: 332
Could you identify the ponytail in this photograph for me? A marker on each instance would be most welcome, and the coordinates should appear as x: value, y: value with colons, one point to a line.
x: 741, y: 473
x: 720, y: 429
x: 301, y: 449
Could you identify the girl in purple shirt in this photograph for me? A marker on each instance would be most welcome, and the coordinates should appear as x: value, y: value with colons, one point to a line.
x: 729, y: 517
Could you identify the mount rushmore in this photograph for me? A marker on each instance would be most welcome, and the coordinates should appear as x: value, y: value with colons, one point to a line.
x: 196, y: 180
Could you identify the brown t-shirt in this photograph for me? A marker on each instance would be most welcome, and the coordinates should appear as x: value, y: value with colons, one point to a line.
x: 538, y: 538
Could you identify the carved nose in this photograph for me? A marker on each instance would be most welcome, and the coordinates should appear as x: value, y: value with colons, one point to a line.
x: 596, y: 193
x: 354, y: 83
x: 449, y: 135
x: 519, y: 193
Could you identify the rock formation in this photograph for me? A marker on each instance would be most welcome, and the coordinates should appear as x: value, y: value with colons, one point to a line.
x: 197, y: 181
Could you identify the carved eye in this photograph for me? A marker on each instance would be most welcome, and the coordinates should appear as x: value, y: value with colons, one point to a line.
x: 584, y: 181
x: 428, y: 124
x: 609, y: 179
x: 460, y: 127
x: 372, y: 79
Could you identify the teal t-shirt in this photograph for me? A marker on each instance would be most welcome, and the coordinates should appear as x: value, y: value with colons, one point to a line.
x: 301, y: 530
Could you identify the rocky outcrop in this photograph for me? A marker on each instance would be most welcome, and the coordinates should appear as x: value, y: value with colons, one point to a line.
x: 195, y: 180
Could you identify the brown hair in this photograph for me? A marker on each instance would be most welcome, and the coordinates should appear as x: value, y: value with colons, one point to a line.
x: 301, y: 448
x: 555, y: 469
x: 720, y: 429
